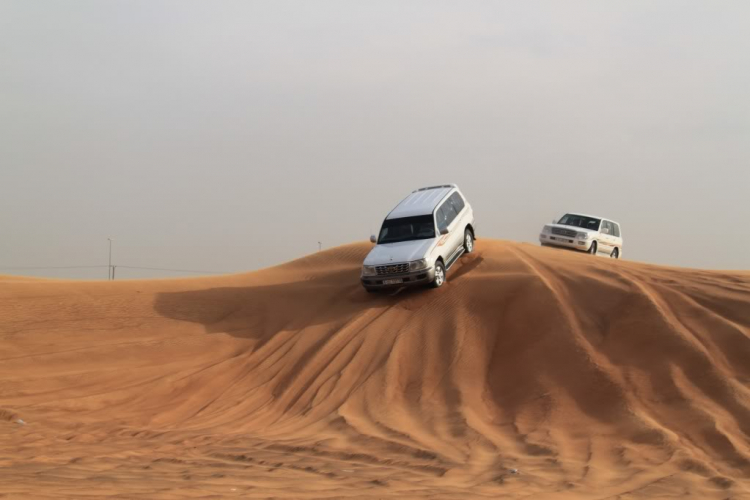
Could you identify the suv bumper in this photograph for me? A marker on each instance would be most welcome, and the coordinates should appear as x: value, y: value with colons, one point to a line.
x: 409, y: 279
x: 564, y: 241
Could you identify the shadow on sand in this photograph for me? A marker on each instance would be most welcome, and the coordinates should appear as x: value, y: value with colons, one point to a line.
x: 258, y: 312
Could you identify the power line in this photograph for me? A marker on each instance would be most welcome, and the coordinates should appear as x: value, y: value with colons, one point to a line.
x: 55, y: 267
x: 29, y: 268
x: 173, y: 270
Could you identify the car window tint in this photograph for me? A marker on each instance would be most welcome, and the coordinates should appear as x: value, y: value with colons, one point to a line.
x: 445, y: 215
x: 442, y: 217
x: 450, y: 211
x: 407, y: 228
x: 458, y: 202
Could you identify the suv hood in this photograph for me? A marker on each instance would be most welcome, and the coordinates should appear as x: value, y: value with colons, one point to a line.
x: 403, y: 251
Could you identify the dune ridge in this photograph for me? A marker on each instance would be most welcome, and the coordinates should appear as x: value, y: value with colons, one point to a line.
x: 534, y: 373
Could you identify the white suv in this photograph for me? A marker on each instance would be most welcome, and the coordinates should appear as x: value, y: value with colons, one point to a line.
x: 420, y: 240
x: 594, y: 235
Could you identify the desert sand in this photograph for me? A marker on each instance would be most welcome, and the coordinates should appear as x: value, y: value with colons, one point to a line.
x: 534, y: 373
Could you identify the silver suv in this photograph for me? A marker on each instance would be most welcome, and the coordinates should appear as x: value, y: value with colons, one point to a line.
x: 586, y: 233
x: 420, y: 240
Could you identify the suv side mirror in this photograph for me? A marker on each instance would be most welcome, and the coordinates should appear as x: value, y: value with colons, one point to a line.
x: 554, y: 221
x: 605, y: 230
x: 444, y: 231
x: 373, y: 239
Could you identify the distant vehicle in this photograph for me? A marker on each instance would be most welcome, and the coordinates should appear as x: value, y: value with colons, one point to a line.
x: 420, y: 240
x: 586, y: 233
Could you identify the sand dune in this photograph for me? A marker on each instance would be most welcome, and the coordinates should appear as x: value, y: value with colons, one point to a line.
x: 592, y: 378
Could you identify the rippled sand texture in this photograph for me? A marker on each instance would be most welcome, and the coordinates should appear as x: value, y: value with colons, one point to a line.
x: 592, y: 378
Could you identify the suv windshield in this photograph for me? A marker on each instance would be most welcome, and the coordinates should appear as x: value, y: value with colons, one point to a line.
x: 580, y: 221
x: 421, y: 227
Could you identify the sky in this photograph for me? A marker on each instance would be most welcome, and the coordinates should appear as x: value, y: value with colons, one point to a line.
x: 228, y: 136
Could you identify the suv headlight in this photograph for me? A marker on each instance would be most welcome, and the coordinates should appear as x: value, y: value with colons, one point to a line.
x: 369, y: 271
x: 583, y: 236
x: 417, y: 265
x: 546, y: 229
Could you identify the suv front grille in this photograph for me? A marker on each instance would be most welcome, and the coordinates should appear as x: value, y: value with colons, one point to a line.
x: 564, y: 232
x: 392, y: 269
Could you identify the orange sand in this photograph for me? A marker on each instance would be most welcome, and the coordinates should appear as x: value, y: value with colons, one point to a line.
x: 594, y: 378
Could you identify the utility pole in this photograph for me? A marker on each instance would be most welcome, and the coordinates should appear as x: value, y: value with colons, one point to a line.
x: 320, y: 246
x: 110, y: 274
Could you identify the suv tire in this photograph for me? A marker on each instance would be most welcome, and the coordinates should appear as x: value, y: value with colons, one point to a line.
x: 439, y: 279
x: 468, y: 241
x: 593, y: 248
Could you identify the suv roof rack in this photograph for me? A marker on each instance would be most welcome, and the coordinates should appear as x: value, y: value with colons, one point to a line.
x: 442, y: 186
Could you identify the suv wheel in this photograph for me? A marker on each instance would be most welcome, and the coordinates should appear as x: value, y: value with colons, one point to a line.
x: 615, y: 254
x: 439, y: 279
x: 593, y: 248
x: 468, y: 241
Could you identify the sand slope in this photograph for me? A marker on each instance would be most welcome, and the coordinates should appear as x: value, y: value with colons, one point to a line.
x: 594, y: 378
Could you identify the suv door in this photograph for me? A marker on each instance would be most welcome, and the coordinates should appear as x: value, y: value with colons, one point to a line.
x: 609, y: 237
x: 601, y: 237
x: 446, y: 217
x: 458, y: 205
x: 616, y: 237
x: 616, y: 234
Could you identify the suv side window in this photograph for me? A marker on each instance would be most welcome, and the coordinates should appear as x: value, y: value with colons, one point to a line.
x: 615, y: 229
x: 608, y: 225
x: 457, y: 201
x: 441, y: 218
x: 445, y: 215
x: 451, y: 211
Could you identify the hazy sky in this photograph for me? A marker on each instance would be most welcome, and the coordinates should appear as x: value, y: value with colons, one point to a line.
x: 229, y: 136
